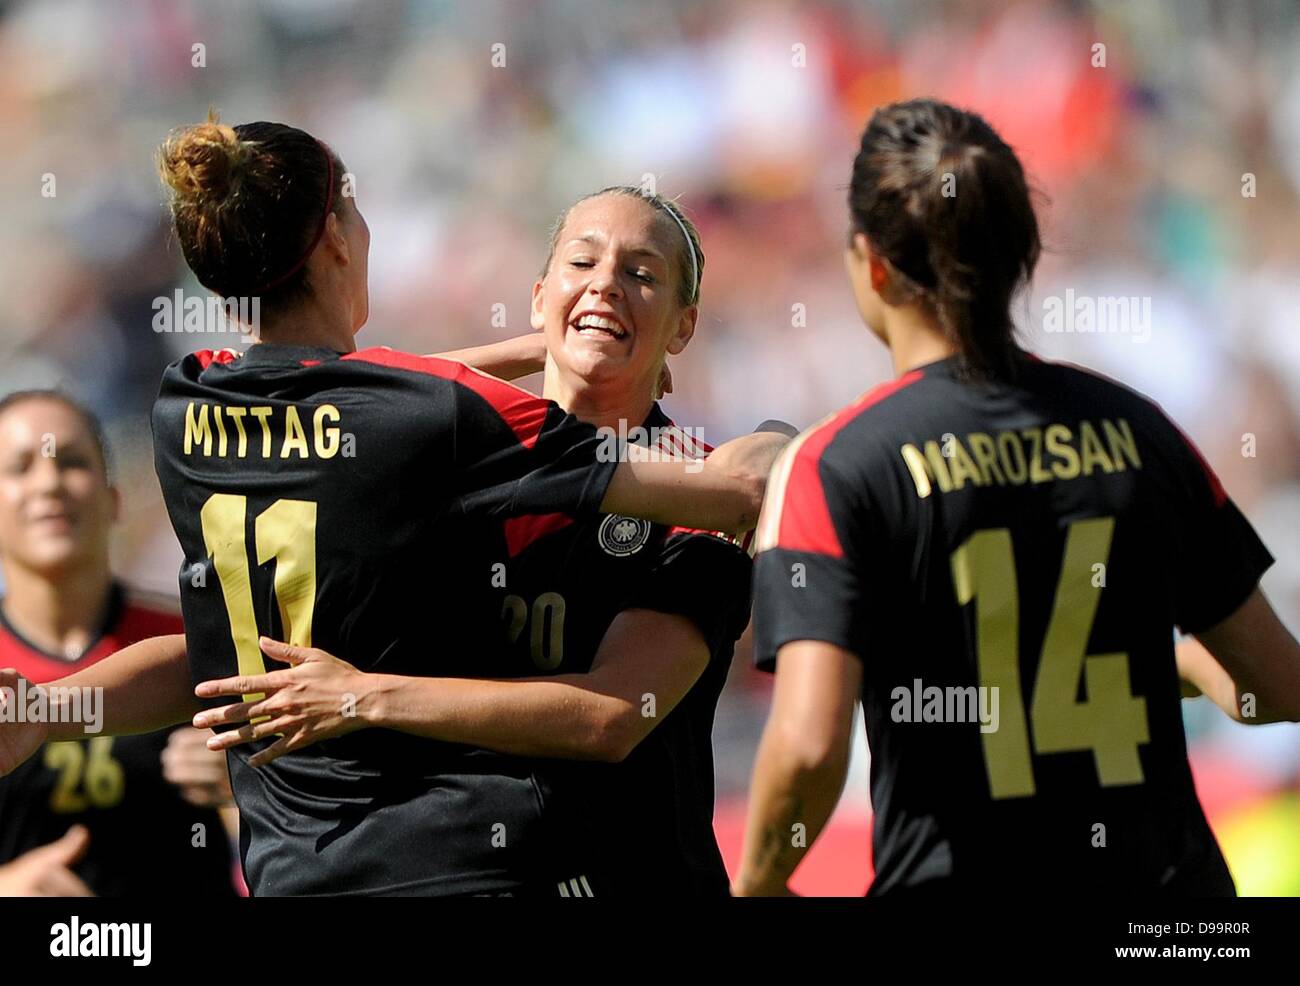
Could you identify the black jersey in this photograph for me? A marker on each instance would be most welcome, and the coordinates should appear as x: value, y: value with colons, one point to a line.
x: 145, y: 839
x: 644, y: 825
x: 325, y: 500
x: 1009, y: 562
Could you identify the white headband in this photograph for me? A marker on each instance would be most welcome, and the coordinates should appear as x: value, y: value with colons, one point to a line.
x: 690, y: 246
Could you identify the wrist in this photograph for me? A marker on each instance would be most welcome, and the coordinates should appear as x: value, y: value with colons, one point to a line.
x: 372, y: 700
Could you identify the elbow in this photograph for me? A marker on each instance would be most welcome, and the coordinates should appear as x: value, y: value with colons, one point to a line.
x: 750, y: 488
x: 814, y: 754
x: 757, y: 488
x: 615, y: 734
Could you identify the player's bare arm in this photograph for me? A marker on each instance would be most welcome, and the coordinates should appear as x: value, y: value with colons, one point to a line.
x: 521, y: 356
x: 599, y: 715
x: 802, y: 762
x: 146, y: 687
x: 724, y: 492
x: 508, y: 359
x: 1248, y: 665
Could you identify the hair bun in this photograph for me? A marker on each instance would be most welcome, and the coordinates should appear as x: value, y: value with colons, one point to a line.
x: 201, y: 163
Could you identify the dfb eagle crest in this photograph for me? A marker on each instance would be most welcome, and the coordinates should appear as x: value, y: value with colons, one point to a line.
x: 623, y: 535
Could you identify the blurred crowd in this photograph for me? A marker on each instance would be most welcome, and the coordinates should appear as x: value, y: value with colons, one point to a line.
x: 1163, y: 138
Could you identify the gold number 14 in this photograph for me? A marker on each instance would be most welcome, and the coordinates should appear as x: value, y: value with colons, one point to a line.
x: 1111, y: 721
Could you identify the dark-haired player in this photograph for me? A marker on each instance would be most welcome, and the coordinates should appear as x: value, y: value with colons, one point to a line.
x: 991, y: 552
x: 319, y: 495
x: 621, y: 630
x: 94, y: 813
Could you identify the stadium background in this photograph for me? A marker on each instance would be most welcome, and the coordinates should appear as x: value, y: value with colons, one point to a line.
x: 749, y: 112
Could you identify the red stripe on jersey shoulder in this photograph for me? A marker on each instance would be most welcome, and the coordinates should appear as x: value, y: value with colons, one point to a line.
x: 805, y: 515
x: 522, y: 531
x: 207, y: 357
x: 524, y: 412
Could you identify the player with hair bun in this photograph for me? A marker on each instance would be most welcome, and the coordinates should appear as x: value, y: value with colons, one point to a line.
x: 618, y: 633
x: 321, y: 495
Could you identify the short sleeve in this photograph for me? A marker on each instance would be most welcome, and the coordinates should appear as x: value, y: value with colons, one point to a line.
x: 807, y: 584
x: 1219, y: 559
x: 517, y: 454
x: 704, y: 577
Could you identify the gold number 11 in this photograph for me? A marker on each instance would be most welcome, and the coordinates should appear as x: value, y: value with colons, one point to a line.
x: 1111, y: 721
x: 285, y: 531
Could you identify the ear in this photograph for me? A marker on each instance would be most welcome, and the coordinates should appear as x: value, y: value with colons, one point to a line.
x: 685, y: 330
x: 878, y: 269
x: 536, y: 318
x: 334, y: 241
x: 879, y: 272
x: 860, y: 256
x: 115, y: 513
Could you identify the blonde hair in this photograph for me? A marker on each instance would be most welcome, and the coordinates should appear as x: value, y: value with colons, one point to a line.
x: 690, y: 259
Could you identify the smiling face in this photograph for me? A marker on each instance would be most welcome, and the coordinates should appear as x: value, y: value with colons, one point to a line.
x: 610, y: 301
x: 56, y: 506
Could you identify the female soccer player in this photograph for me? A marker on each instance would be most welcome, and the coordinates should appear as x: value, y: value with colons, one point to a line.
x: 991, y: 552
x: 320, y: 495
x: 611, y: 609
x: 93, y: 814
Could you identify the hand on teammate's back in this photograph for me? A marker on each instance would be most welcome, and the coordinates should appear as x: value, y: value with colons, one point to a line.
x: 319, y: 697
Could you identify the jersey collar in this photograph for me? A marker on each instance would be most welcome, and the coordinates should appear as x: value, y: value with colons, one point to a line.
x: 275, y: 354
x: 116, y: 604
x: 656, y: 418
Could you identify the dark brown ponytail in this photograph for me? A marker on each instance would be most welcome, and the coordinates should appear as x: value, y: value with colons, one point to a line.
x: 944, y: 199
